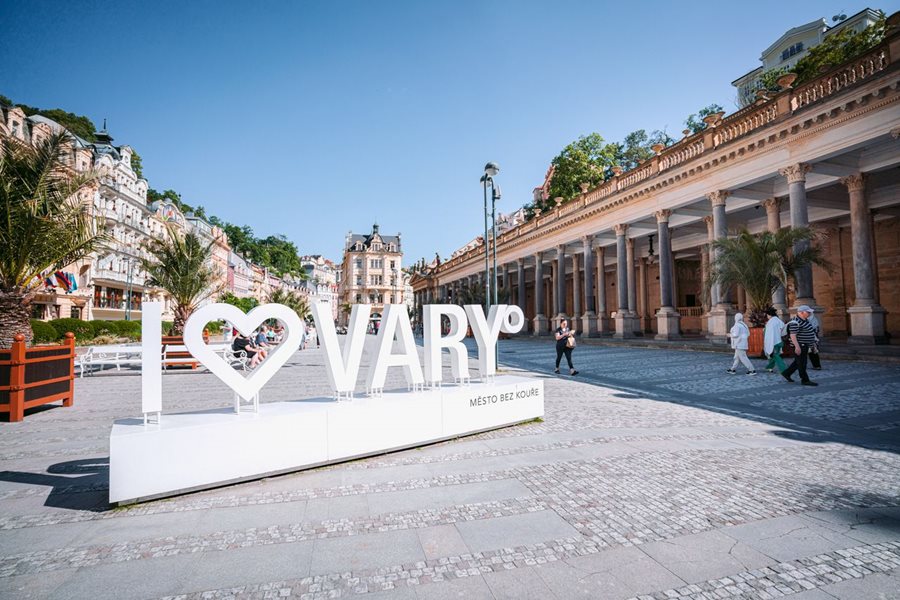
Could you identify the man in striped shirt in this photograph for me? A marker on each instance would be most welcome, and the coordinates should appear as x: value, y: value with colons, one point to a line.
x: 803, y: 336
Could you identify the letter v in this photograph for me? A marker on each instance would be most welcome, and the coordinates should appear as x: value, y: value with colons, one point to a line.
x: 342, y: 369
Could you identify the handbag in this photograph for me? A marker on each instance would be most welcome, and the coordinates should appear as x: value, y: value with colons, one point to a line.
x: 570, y: 342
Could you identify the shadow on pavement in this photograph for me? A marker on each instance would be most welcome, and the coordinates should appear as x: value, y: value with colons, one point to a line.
x: 76, y: 484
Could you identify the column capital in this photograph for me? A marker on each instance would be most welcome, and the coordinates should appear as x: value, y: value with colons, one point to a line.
x: 630, y: 243
x: 895, y: 133
x: 621, y: 228
x: 587, y: 240
x: 520, y: 261
x: 561, y: 248
x: 538, y: 256
x: 662, y: 216
x: 795, y: 173
x: 855, y: 182
x: 718, y: 197
x: 771, y: 204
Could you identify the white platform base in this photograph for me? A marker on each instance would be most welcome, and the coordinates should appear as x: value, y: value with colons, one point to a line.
x: 191, y: 451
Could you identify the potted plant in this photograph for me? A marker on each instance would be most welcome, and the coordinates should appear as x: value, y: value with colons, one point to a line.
x: 761, y: 263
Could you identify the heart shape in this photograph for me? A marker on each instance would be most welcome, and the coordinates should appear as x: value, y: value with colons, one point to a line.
x: 245, y: 387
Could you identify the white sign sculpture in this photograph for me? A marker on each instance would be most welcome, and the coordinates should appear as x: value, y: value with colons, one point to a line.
x: 195, y: 450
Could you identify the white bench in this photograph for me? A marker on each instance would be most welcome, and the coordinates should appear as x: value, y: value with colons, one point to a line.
x: 117, y: 356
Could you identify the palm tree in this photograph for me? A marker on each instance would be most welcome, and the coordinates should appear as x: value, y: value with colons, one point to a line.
x: 763, y: 262
x: 180, y: 265
x: 293, y: 300
x: 45, y: 224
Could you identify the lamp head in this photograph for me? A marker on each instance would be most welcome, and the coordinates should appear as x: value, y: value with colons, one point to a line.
x: 491, y: 169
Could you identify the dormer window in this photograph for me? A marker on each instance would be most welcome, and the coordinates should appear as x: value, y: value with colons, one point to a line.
x: 792, y: 51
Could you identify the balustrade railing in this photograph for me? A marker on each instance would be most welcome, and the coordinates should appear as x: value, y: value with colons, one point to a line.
x: 635, y: 175
x: 740, y: 125
x: 678, y: 154
x: 830, y: 84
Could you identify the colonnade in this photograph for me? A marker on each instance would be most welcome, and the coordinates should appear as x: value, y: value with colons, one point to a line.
x: 580, y: 266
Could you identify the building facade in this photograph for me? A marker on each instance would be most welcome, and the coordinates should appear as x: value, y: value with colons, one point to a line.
x: 371, y: 271
x: 794, y: 45
x: 321, y: 281
x: 629, y: 257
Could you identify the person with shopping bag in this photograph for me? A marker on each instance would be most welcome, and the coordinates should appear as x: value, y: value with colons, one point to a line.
x: 565, y: 343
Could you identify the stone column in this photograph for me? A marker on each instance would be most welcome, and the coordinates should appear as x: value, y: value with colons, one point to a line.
x: 576, y: 294
x: 632, y: 282
x: 722, y: 314
x: 867, y: 316
x: 540, y: 321
x: 667, y: 319
x: 624, y: 319
x: 704, y: 283
x: 796, y: 177
x: 520, y: 284
x: 603, y: 325
x: 560, y: 275
x: 643, y: 297
x: 773, y: 224
x: 589, y: 319
x: 710, y: 236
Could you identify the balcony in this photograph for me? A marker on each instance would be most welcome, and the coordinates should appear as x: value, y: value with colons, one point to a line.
x: 137, y: 278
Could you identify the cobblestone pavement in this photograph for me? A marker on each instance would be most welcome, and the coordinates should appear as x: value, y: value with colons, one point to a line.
x: 654, y: 474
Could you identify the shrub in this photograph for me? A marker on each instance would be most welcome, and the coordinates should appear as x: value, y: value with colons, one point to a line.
x: 82, y: 329
x: 167, y: 327
x: 214, y: 327
x: 104, y: 328
x: 103, y: 340
x: 128, y: 329
x: 44, y: 332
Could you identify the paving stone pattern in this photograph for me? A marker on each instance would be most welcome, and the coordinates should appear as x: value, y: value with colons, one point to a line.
x: 654, y: 474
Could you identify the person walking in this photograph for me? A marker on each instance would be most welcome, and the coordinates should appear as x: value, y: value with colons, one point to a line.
x: 772, y: 343
x: 803, y: 336
x: 814, y: 349
x: 740, y: 341
x: 565, y: 342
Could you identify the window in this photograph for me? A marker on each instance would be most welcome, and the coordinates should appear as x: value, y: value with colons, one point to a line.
x: 375, y: 279
x: 359, y: 280
x: 393, y: 264
x: 359, y: 263
x: 358, y: 298
x: 793, y: 50
x: 376, y: 263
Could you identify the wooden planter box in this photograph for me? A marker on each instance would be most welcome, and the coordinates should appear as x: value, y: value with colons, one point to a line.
x: 757, y: 337
x: 34, y: 376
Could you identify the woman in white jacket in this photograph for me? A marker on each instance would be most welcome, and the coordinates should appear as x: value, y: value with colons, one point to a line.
x: 740, y: 337
x: 772, y: 340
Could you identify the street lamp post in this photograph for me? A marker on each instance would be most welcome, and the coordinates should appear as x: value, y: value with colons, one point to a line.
x: 490, y: 170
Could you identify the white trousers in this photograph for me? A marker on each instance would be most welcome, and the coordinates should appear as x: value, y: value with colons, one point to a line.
x: 741, y: 356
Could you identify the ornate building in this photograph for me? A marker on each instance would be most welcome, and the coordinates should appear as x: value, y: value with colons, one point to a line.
x: 109, y: 284
x: 371, y: 271
x: 629, y: 256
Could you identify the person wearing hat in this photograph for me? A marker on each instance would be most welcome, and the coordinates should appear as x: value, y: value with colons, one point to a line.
x: 803, y: 337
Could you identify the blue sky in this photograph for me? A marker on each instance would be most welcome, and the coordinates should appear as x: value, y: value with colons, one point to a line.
x: 315, y: 118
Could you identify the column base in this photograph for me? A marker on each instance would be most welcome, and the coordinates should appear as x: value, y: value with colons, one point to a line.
x: 867, y: 324
x: 783, y: 312
x: 605, y: 326
x: 625, y: 324
x: 719, y: 321
x: 589, y: 327
x: 541, y: 325
x: 668, y: 324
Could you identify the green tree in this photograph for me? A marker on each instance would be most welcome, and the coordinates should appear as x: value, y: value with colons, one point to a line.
x: 44, y: 225
x: 762, y: 262
x: 695, y: 122
x: 137, y: 165
x: 180, y: 264
x: 839, y: 48
x: 293, y: 300
x: 586, y: 160
x: 638, y: 147
x: 245, y: 304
